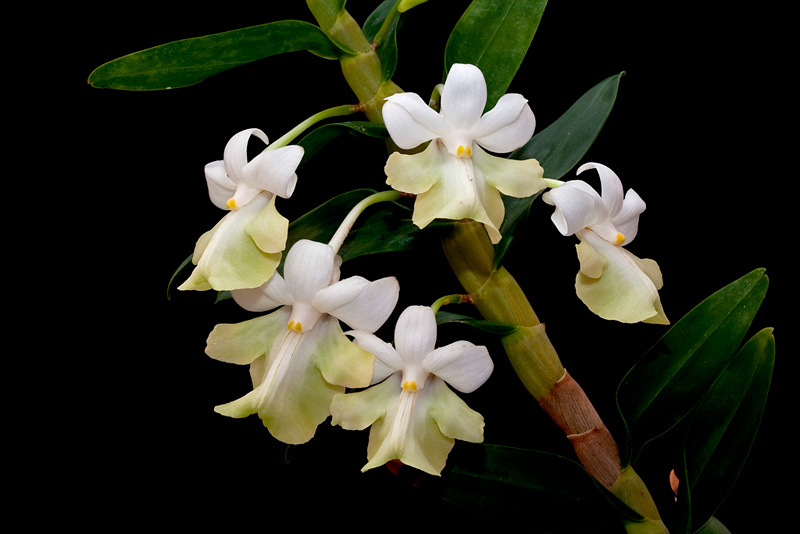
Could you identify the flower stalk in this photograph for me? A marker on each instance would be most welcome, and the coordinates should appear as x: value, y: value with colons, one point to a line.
x: 498, y: 297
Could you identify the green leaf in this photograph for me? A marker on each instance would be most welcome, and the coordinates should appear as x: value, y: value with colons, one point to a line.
x: 491, y: 327
x: 385, y: 227
x: 560, y: 147
x: 677, y: 372
x: 382, y: 24
x: 189, y: 61
x: 318, y: 138
x: 494, y: 35
x: 539, y: 491
x: 713, y: 526
x: 723, y: 427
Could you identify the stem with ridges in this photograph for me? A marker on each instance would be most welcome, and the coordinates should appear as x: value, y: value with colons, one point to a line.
x: 498, y: 297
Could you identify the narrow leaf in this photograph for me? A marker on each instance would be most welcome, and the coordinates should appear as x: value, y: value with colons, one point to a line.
x: 382, y: 25
x: 483, y: 325
x: 495, y: 35
x: 677, y: 372
x: 724, y: 426
x: 320, y: 137
x: 189, y: 61
x: 384, y: 227
x: 539, y: 491
x: 560, y: 147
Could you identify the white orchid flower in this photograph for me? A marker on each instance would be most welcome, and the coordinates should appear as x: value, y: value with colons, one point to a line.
x: 415, y: 416
x: 298, y: 356
x: 244, y: 248
x: 454, y: 177
x: 612, y: 282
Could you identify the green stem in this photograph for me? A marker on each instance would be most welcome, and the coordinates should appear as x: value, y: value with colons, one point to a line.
x: 289, y: 136
x: 348, y: 222
x: 362, y: 70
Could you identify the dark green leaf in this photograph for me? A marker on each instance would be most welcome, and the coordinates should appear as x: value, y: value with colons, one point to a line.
x: 560, y: 147
x: 491, y: 327
x: 384, y: 227
x: 323, y: 135
x: 189, y: 61
x: 384, y: 21
x: 723, y: 427
x: 539, y: 491
x: 677, y: 372
x: 174, y: 280
x: 495, y: 35
x: 713, y: 526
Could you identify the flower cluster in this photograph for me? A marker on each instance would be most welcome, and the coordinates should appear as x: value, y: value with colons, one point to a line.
x: 304, y: 367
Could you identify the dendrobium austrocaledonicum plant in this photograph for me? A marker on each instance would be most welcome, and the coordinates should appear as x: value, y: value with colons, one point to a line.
x: 298, y: 356
x: 244, y: 248
x: 454, y: 177
x: 612, y: 282
x: 415, y: 416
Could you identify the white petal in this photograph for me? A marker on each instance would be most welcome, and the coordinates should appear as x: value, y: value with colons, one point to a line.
x: 308, y: 269
x: 410, y: 121
x: 277, y: 290
x: 461, y: 364
x: 235, y: 155
x: 220, y: 186
x: 508, y: 126
x: 463, y: 96
x: 255, y: 300
x: 274, y: 170
x: 610, y: 184
x: 577, y: 206
x: 627, y: 220
x: 415, y: 333
x: 360, y: 304
x: 387, y: 360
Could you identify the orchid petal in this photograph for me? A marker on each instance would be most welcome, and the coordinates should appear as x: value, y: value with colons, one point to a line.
x: 226, y: 258
x: 506, y: 127
x: 387, y: 360
x: 610, y: 187
x: 625, y: 291
x: 340, y: 361
x: 235, y: 154
x: 577, y: 206
x: 220, y: 187
x: 255, y: 299
x: 461, y: 364
x: 627, y: 220
x: 277, y: 289
x: 463, y: 96
x: 274, y: 170
x: 414, y: 173
x: 359, y: 303
x: 454, y: 418
x: 242, y: 343
x: 415, y: 333
x: 516, y: 178
x: 269, y: 229
x: 410, y: 121
x: 308, y: 269
x: 357, y: 411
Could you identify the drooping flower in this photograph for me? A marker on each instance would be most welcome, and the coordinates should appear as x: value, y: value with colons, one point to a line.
x: 612, y: 282
x: 298, y: 356
x: 454, y: 177
x: 414, y: 415
x: 244, y: 248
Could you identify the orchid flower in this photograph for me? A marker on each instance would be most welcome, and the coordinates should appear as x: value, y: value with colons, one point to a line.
x: 244, y: 248
x: 415, y: 416
x: 612, y: 282
x: 298, y: 356
x: 454, y: 177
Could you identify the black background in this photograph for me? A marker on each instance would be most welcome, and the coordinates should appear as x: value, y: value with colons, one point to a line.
x: 128, y: 433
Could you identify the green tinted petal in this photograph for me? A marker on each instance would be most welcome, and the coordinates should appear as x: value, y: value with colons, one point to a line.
x: 455, y: 419
x: 341, y: 361
x: 269, y: 229
x: 241, y: 343
x: 623, y: 292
